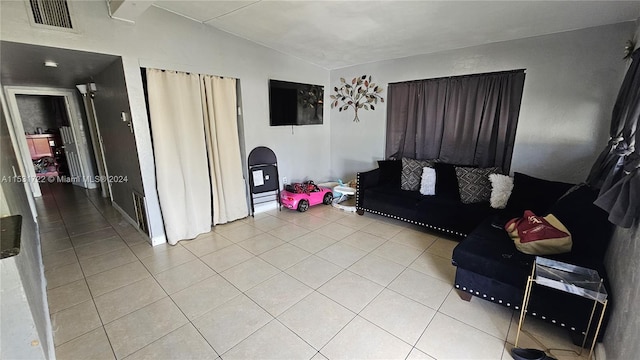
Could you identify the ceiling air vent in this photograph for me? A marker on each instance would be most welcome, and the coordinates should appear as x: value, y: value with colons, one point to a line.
x: 53, y: 13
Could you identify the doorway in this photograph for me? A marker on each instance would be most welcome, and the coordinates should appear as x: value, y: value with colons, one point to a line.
x: 44, y: 119
x: 55, y: 143
x: 104, y: 103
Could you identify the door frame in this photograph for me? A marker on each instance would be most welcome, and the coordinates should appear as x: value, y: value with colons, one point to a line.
x: 72, y: 107
x: 96, y: 141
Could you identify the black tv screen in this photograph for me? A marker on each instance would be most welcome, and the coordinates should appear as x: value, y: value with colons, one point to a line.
x: 294, y: 103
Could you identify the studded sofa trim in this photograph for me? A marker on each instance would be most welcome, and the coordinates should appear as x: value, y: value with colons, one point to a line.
x: 361, y: 208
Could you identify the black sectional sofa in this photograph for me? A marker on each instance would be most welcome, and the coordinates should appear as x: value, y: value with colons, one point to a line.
x: 379, y: 192
x: 488, y: 264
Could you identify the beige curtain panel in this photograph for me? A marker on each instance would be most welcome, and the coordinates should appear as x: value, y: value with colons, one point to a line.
x: 197, y: 151
x: 180, y: 153
x: 223, y: 145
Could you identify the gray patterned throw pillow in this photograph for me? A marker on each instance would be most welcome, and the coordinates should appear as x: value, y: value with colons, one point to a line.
x: 412, y: 173
x: 474, y: 183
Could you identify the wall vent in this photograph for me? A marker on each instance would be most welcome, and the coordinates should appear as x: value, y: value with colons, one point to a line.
x: 54, y: 13
x: 141, y: 212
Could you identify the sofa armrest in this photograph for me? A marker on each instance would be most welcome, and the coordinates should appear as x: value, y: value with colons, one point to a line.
x: 366, y: 180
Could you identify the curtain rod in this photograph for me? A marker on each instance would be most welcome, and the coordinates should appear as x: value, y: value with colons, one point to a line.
x: 463, y: 76
x: 189, y: 73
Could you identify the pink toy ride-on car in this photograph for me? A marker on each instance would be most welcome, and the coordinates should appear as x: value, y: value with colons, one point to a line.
x: 300, y: 196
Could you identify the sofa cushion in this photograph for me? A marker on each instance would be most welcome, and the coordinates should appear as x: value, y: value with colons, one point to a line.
x: 390, y: 172
x: 442, y: 212
x: 587, y: 223
x: 474, y: 184
x: 391, y: 201
x: 537, y: 195
x: 446, y: 181
x: 489, y: 251
x: 412, y: 173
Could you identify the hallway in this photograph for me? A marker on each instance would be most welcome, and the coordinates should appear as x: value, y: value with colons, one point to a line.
x: 83, y: 236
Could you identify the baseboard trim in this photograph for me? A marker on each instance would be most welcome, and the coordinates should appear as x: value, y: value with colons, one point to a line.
x: 156, y: 240
x: 265, y: 206
x: 601, y: 353
x: 125, y: 215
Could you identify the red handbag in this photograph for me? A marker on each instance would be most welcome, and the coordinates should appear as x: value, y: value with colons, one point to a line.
x: 537, y: 235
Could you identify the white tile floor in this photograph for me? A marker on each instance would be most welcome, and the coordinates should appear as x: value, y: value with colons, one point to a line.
x: 282, y: 285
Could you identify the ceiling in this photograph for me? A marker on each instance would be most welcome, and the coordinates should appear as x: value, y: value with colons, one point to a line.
x: 335, y: 34
x: 23, y: 65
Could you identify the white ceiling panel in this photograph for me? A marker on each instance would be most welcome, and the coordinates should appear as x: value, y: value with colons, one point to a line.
x: 336, y: 34
x: 202, y: 10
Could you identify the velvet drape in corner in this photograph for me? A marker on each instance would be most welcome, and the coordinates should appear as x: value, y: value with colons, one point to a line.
x: 467, y: 120
x: 617, y: 170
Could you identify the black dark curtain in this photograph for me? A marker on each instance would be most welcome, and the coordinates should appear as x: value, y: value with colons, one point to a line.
x: 467, y: 120
x: 617, y: 170
x: 409, y: 102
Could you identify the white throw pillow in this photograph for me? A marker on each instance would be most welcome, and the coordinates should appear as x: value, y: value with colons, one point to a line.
x: 428, y: 182
x: 501, y: 186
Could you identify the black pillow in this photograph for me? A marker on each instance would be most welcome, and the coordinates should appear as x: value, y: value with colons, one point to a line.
x: 446, y: 181
x: 587, y: 223
x: 390, y: 172
x: 531, y: 193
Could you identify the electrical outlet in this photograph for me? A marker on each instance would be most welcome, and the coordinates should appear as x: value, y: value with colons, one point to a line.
x: 284, y: 180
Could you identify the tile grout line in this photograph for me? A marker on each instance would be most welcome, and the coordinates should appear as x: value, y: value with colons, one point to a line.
x: 330, y: 299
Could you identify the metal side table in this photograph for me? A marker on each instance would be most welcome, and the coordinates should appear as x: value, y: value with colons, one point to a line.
x: 572, y: 279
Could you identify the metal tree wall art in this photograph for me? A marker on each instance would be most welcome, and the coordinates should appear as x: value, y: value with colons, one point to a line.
x: 360, y: 94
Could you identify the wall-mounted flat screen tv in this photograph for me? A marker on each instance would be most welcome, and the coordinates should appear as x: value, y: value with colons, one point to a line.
x: 294, y: 103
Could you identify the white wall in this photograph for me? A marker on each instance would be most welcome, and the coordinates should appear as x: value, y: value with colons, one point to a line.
x: 572, y: 79
x: 24, y: 309
x: 164, y: 40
